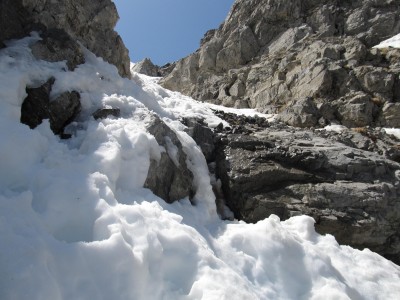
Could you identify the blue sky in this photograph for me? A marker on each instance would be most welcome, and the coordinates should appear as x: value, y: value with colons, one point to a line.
x: 167, y: 30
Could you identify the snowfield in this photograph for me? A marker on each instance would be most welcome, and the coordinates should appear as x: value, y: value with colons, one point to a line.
x: 76, y: 222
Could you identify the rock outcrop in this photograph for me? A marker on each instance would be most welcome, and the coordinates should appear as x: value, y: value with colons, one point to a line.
x: 146, y: 67
x: 62, y: 24
x: 168, y: 177
x: 309, y: 61
x: 348, y: 181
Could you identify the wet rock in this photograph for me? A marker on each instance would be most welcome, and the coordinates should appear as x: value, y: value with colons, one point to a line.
x: 169, y: 177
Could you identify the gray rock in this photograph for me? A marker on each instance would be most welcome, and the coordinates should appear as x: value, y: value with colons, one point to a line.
x: 60, y: 111
x: 89, y: 22
x: 57, y: 45
x: 352, y: 193
x: 357, y: 111
x: 390, y: 116
x: 169, y: 178
x: 300, y: 113
x: 285, y: 51
x: 202, y: 135
x: 146, y: 67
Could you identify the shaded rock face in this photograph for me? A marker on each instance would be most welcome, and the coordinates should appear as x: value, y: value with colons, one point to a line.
x: 169, y: 178
x: 270, y: 55
x: 339, y: 179
x: 60, y: 111
x: 62, y: 24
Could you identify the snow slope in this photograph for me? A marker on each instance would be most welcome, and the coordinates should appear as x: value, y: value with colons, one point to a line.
x: 75, y: 222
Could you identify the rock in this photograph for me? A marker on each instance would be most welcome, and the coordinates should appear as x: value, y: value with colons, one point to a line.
x: 169, y: 177
x: 202, y: 135
x: 146, y: 67
x: 390, y: 116
x: 104, y: 113
x: 300, y: 113
x: 89, y: 22
x: 357, y: 111
x: 57, y: 45
x: 60, y: 111
x: 352, y: 193
x: 288, y: 51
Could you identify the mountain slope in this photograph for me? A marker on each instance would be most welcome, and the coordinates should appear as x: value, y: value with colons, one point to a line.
x: 76, y: 222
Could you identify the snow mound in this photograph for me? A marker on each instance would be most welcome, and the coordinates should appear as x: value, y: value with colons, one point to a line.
x: 76, y: 222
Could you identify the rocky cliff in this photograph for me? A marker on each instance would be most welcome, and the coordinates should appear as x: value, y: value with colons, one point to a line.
x: 313, y: 64
x: 309, y: 61
x: 62, y: 26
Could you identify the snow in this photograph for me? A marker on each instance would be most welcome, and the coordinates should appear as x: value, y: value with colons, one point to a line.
x: 393, y: 131
x: 76, y: 222
x: 336, y: 128
x: 393, y: 42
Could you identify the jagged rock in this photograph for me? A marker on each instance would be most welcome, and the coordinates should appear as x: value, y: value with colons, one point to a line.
x: 60, y: 111
x: 146, y: 67
x: 103, y: 113
x: 352, y: 193
x: 169, y: 178
x: 268, y: 54
x: 89, y: 22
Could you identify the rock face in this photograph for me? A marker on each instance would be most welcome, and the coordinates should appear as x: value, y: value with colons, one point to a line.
x: 169, y: 178
x: 146, y: 67
x: 309, y: 61
x: 62, y: 25
x: 338, y: 178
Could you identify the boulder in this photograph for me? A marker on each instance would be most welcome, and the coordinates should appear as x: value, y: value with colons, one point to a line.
x: 60, y: 111
x: 62, y: 24
x: 168, y: 177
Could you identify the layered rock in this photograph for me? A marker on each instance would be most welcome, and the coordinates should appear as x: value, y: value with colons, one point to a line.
x: 62, y: 24
x: 300, y: 59
x: 349, y: 182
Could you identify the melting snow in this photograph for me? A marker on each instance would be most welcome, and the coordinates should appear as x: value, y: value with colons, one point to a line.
x: 76, y: 223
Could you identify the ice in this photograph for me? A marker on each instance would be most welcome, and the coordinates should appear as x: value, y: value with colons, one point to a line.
x: 76, y: 222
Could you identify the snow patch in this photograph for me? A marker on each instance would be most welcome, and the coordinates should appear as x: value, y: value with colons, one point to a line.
x: 76, y: 222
